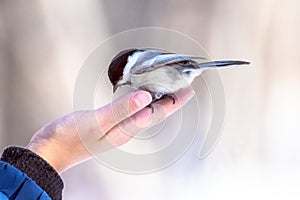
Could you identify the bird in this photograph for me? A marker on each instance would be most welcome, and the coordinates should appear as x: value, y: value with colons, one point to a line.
x: 159, y: 72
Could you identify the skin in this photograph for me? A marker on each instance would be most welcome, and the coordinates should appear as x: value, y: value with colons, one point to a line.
x: 62, y: 143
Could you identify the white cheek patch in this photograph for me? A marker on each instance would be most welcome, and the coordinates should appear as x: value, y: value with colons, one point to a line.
x: 130, y: 63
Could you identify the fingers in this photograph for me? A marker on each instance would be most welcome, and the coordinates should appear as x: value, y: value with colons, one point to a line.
x: 120, y: 109
x: 125, y: 130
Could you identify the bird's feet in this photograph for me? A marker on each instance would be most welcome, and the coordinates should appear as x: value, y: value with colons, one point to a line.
x: 168, y: 96
x: 151, y: 106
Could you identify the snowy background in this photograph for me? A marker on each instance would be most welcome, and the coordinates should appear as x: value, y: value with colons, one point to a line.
x: 44, y: 43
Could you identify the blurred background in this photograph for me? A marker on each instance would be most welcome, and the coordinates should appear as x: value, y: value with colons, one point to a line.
x: 44, y: 43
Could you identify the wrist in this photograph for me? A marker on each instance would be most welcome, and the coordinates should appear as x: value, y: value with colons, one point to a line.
x: 60, y: 156
x: 46, y: 152
x: 54, y: 154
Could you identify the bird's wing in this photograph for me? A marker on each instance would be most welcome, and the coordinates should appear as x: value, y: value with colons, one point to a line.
x: 152, y: 60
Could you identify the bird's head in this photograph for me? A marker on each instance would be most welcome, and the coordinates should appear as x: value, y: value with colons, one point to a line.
x: 117, y: 66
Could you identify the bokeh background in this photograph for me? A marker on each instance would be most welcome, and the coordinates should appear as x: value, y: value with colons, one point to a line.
x: 44, y: 43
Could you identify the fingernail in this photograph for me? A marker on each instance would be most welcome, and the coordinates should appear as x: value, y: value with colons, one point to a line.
x: 142, y: 98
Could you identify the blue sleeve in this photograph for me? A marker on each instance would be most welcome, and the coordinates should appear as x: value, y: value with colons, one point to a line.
x: 15, y: 185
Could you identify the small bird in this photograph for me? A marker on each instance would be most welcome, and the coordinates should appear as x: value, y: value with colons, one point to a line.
x: 159, y: 72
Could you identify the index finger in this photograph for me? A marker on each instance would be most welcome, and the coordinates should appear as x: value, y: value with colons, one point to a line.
x: 121, y: 108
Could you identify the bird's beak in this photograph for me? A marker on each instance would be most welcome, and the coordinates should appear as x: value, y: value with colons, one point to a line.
x: 115, y: 88
x: 118, y: 85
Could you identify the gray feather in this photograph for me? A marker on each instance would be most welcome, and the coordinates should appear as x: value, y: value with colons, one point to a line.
x: 155, y: 60
x: 222, y: 63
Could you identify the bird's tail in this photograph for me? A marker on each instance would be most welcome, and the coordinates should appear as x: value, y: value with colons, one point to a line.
x: 222, y: 63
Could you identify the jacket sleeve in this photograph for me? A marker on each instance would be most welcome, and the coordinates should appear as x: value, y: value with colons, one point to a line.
x: 16, y: 185
x: 25, y: 175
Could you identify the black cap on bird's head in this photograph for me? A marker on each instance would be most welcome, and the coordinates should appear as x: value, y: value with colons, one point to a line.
x: 117, y: 65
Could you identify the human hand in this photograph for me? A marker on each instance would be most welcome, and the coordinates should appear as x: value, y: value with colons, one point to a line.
x: 80, y: 135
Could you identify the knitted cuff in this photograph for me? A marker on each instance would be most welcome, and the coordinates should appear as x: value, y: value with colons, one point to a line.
x: 36, y: 168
